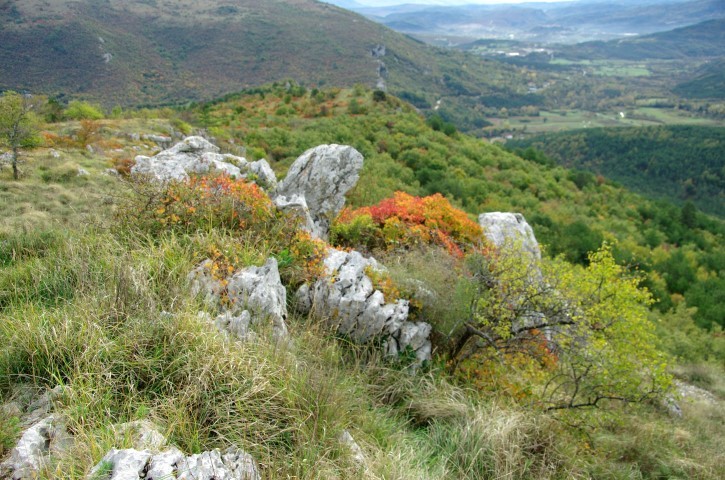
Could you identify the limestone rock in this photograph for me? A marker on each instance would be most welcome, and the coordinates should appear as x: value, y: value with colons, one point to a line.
x: 233, y: 464
x: 296, y: 206
x: 256, y: 294
x: 198, y: 155
x: 143, y: 434
x: 349, y: 303
x: 164, y: 465
x: 235, y: 325
x: 35, y: 448
x: 191, y: 155
x: 262, y: 173
x: 503, y: 228
x: 260, y: 291
x: 122, y: 465
x: 322, y: 176
x: 356, y: 452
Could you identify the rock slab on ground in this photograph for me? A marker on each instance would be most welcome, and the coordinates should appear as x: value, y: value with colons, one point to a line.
x: 172, y: 464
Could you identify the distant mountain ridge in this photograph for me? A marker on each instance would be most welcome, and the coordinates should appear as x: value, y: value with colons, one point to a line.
x: 135, y: 52
x: 568, y: 22
x: 706, y: 39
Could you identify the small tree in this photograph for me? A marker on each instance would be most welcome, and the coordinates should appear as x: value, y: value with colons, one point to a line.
x: 580, y: 335
x: 18, y: 126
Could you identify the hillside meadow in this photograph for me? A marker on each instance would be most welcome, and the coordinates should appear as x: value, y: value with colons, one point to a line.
x: 94, y: 300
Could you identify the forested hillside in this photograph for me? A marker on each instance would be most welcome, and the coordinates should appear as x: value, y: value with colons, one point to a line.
x: 133, y: 53
x: 708, y: 83
x: 572, y: 212
x: 679, y: 163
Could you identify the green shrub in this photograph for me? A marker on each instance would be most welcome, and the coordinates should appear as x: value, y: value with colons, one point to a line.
x: 78, y: 110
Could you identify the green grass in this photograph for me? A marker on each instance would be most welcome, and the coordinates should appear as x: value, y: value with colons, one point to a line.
x: 106, y: 313
x: 613, y: 68
x: 559, y: 121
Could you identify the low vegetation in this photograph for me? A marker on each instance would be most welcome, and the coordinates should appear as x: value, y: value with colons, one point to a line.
x: 93, y: 297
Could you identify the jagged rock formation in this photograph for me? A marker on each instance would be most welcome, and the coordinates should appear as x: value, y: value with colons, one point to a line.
x: 255, y: 294
x: 296, y: 207
x: 349, y: 303
x: 259, y: 291
x: 319, y: 180
x: 198, y: 155
x: 46, y: 434
x: 172, y: 464
x: 511, y: 229
x: 34, y: 449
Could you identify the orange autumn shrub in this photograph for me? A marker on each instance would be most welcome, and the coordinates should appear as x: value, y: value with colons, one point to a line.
x: 200, y: 204
x: 405, y: 221
x: 303, y: 260
x: 515, y: 371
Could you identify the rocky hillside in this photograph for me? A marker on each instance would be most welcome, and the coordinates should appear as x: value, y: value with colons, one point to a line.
x: 185, y: 314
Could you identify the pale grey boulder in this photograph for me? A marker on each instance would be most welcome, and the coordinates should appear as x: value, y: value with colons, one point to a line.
x: 259, y: 290
x: 261, y: 172
x: 164, y: 465
x: 233, y: 464
x: 255, y: 294
x: 196, y: 155
x: 35, y: 449
x: 122, y: 465
x: 296, y: 207
x: 172, y: 464
x: 509, y: 229
x: 194, y: 144
x: 322, y: 176
x: 191, y: 155
x: 347, y: 301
